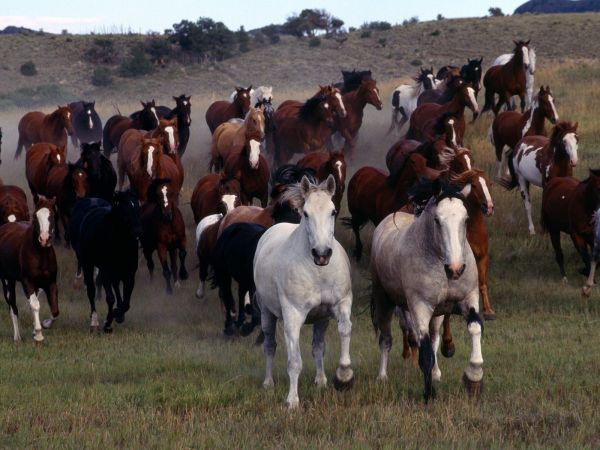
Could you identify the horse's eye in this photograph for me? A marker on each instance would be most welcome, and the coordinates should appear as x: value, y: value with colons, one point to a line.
x: 334, y: 212
x: 437, y: 221
x: 305, y: 215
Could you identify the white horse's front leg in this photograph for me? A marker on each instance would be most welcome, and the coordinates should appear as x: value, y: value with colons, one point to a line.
x: 524, y: 188
x: 473, y: 376
x: 268, y: 322
x: 434, y: 328
x: 318, y: 350
x: 587, y: 287
x: 344, y: 376
x: 292, y: 322
x: 421, y: 313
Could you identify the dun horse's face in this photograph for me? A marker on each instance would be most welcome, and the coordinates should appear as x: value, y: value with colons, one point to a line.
x: 43, y: 221
x: 450, y: 219
x: 319, y: 219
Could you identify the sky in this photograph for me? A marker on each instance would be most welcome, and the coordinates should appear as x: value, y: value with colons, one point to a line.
x: 156, y: 15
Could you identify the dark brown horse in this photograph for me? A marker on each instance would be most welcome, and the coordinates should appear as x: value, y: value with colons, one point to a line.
x: 443, y: 93
x: 325, y: 164
x: 211, y: 193
x: 163, y: 231
x: 13, y: 204
x: 51, y: 128
x: 507, y: 80
x: 332, y: 95
x: 118, y: 124
x: 510, y: 126
x: 27, y: 255
x: 251, y: 169
x: 223, y: 110
x: 39, y: 161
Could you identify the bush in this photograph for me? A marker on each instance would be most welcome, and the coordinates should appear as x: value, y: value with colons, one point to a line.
x: 416, y: 62
x: 102, y: 76
x: 314, y: 42
x: 28, y: 69
x: 158, y: 48
x: 274, y: 39
x: 435, y: 33
x: 440, y: 17
x: 376, y: 25
x: 496, y: 12
x: 102, y: 52
x: 351, y: 29
x: 411, y: 21
x: 365, y: 34
x: 382, y: 42
x: 137, y: 64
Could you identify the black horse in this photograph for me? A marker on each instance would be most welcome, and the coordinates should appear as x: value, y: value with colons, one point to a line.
x: 106, y: 236
x: 87, y: 125
x: 471, y: 73
x: 102, y: 177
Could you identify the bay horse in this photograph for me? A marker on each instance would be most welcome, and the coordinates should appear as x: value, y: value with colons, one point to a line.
x: 303, y: 129
x: 332, y: 95
x: 87, y: 125
x: 443, y: 92
x: 537, y: 159
x: 101, y: 175
x: 355, y: 102
x: 509, y: 127
x: 372, y: 194
x: 37, y: 127
x: 425, y: 117
x: 251, y: 169
x: 116, y: 125
x: 258, y: 96
x: 231, y: 137
x: 27, y: 255
x: 302, y: 274
x: 404, y: 98
x: 507, y: 80
x: 105, y: 235
x: 163, y: 231
x: 352, y: 79
x: 222, y: 110
x: 13, y: 204
x: 424, y: 266
x: 211, y: 193
x: 529, y: 74
x: 39, y: 160
x: 325, y: 164
x: 569, y: 206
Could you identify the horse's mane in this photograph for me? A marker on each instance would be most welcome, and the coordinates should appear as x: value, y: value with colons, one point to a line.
x: 560, y: 129
x: 310, y: 106
x: 296, y: 198
x: 440, y: 124
x: 287, y: 175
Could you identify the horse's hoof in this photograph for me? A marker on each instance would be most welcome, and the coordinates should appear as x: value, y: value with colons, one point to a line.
x: 230, y: 331
x: 565, y: 281
x: 177, y: 285
x: 107, y: 329
x: 246, y: 329
x: 94, y: 328
x: 473, y: 388
x: 491, y: 315
x: 268, y: 384
x: 382, y: 378
x: 47, y: 324
x: 343, y: 379
x: 169, y: 290
x: 292, y: 405
x: 583, y: 271
x: 260, y: 339
x: 38, y: 338
x: 586, y: 291
x: 119, y: 317
x: 199, y: 294
x: 321, y: 381
x: 429, y: 396
x: 183, y: 274
x: 448, y: 349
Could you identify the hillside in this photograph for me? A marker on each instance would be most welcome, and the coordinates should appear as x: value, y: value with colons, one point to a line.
x: 558, y: 6
x: 63, y: 74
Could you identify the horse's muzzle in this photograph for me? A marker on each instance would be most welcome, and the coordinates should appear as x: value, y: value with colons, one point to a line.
x: 322, y: 259
x: 454, y: 271
x: 487, y: 208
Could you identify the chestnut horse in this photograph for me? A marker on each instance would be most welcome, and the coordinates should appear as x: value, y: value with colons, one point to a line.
x: 38, y: 162
x: 537, y: 159
x: 118, y: 124
x: 510, y: 126
x: 372, y: 195
x: 27, y: 255
x: 325, y: 164
x: 444, y: 92
x: 211, y: 193
x: 13, y: 204
x: 507, y: 80
x: 36, y: 127
x: 251, y: 169
x: 232, y: 137
x: 163, y: 231
x: 222, y: 110
x: 426, y: 116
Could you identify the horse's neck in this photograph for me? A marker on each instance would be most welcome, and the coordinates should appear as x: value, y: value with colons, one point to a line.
x: 474, y: 211
x: 516, y: 61
x: 353, y: 102
x: 298, y: 242
x: 455, y: 106
x: 54, y: 121
x: 421, y: 232
x: 236, y: 109
x: 537, y: 121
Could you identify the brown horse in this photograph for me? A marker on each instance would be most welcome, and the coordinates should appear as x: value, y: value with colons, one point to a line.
x: 507, y: 80
x: 510, y: 126
x: 325, y: 164
x: 251, y: 169
x: 27, y: 255
x: 424, y: 119
x: 569, y: 206
x: 212, y: 193
x: 163, y: 231
x: 233, y: 137
x: 444, y: 92
x: 13, y: 204
x: 39, y: 161
x: 147, y: 119
x: 332, y: 95
x: 372, y: 195
x: 37, y: 127
x: 355, y: 102
x: 222, y: 110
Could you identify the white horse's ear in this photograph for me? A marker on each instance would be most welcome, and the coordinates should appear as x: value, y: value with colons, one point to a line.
x: 304, y: 186
x: 330, y: 185
x: 466, y: 190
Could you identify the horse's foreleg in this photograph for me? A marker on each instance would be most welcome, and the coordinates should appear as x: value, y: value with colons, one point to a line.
x: 344, y: 375
x: 381, y: 314
x: 434, y: 329
x: 162, y: 257
x: 183, y: 273
x: 558, y: 253
x: 356, y: 222
x: 524, y: 187
x: 447, y: 339
x: 268, y: 325
x: 292, y: 322
x: 483, y: 264
x: 226, y: 297
x: 581, y: 247
x: 473, y: 375
x: 149, y: 261
x: 173, y: 258
x: 421, y: 316
x: 318, y: 350
x: 110, y: 300
x: 52, y: 297
x: 522, y: 97
x: 11, y: 298
x: 393, y: 123
x: 88, y: 278
x: 128, y: 283
x: 34, y: 303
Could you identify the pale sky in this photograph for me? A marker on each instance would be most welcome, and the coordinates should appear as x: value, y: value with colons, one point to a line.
x: 80, y: 16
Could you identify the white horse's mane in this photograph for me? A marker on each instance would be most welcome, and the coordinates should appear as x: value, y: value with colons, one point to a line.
x: 295, y: 195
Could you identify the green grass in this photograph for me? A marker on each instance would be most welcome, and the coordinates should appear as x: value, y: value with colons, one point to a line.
x: 166, y: 378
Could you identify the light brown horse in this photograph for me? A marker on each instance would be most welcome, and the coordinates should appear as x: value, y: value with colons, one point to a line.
x: 35, y: 127
x: 39, y: 161
x: 325, y: 164
x: 13, y: 204
x: 233, y: 137
x: 222, y: 110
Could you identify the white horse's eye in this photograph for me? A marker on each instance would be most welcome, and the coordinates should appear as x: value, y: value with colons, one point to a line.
x: 305, y: 214
x: 334, y: 212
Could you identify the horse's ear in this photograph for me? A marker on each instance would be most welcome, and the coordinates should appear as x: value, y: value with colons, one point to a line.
x: 250, y: 87
x: 304, y: 186
x: 527, y: 42
x: 175, y: 98
x: 330, y: 185
x: 466, y: 190
x: 143, y: 104
x: 93, y: 103
x: 515, y: 42
x: 480, y: 60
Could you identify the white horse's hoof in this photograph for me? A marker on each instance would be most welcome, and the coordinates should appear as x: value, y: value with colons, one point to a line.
x: 436, y: 375
x: 292, y: 405
x: 38, y: 337
x: 268, y: 384
x: 586, y: 291
x: 200, y: 293
x: 47, y: 324
x: 382, y: 378
x: 531, y: 232
x: 321, y: 381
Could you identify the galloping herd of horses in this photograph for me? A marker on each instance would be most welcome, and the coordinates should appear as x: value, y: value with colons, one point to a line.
x: 429, y: 252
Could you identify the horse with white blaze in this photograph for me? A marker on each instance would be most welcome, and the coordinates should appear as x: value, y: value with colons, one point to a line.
x: 302, y: 275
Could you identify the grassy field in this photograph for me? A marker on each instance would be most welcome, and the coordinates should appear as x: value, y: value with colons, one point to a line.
x: 167, y: 379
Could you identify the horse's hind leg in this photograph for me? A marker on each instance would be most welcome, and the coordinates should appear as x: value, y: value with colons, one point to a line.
x: 344, y: 376
x: 227, y: 298
x: 88, y: 277
x: 558, y: 253
x: 448, y: 348
x: 434, y: 329
x: 522, y: 97
x: 292, y: 322
x: 268, y: 324
x: 183, y: 273
x: 382, y: 311
x: 318, y: 350
x: 11, y: 298
x: 110, y: 301
x: 483, y: 264
x: 173, y: 258
x: 581, y: 247
x: 357, y: 222
x: 524, y: 187
x: 162, y: 256
x: 149, y: 261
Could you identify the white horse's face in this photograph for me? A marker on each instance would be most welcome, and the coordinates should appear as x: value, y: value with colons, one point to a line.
x: 570, y: 143
x: 267, y: 93
x: 319, y: 220
x: 450, y: 230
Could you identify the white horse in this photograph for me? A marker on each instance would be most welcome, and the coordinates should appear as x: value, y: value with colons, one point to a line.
x: 301, y: 272
x: 425, y: 266
x: 258, y: 95
x: 529, y: 74
x: 587, y: 287
x: 405, y: 96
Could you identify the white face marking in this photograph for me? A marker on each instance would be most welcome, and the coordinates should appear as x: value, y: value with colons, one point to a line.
x: 90, y: 122
x: 155, y: 115
x: 468, y: 162
x: 341, y: 102
x: 12, y: 218
x: 326, y: 105
x: 58, y: 157
x: 377, y: 94
x: 570, y: 142
x: 229, y: 201
x: 171, y: 134
x: 525, y: 51
x: 150, y: 160
x: 551, y: 100
x: 452, y: 214
x: 527, y: 126
x: 165, y: 198
x: 184, y: 103
x: 486, y: 193
x: 320, y: 223
x: 43, y: 218
x: 254, y: 153
x: 532, y: 58
x: 338, y: 166
x: 68, y: 115
x: 474, y: 104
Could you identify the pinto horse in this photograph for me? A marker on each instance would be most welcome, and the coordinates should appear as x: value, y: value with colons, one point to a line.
x: 101, y: 175
x: 212, y: 193
x: 13, y: 204
x: 537, y: 159
x: 507, y: 80
x: 509, y: 127
x: 87, y: 126
x: 163, y: 231
x: 251, y: 169
x: 404, y: 98
x: 425, y: 117
x: 27, y: 255
x: 325, y: 164
x: 118, y: 124
x: 40, y: 159
x: 51, y: 128
x: 222, y: 110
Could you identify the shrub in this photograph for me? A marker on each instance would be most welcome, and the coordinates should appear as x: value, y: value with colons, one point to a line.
x: 102, y: 52
x: 495, y: 12
x: 376, y: 25
x: 365, y: 34
x: 382, y: 42
x: 435, y: 33
x: 28, y: 69
x: 274, y: 38
x: 158, y: 48
x: 314, y: 42
x: 440, y: 17
x: 351, y: 29
x: 137, y: 64
x: 416, y: 62
x: 102, y: 76
x: 411, y: 21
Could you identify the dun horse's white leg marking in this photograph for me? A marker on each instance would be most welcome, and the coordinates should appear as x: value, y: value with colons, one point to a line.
x: 34, y: 303
x: 474, y: 371
x: 150, y: 161
x: 12, y: 218
x: 171, y: 134
x: 436, y: 323
x: 15, y: 322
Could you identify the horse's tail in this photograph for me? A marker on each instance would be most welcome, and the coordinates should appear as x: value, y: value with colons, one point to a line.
x: 543, y: 222
x: 117, y: 109
x: 19, y: 148
x: 489, y: 100
x: 491, y: 134
x: 512, y: 182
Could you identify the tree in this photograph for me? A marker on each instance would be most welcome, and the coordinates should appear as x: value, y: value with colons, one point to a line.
x: 205, y: 37
x: 310, y: 21
x: 495, y: 12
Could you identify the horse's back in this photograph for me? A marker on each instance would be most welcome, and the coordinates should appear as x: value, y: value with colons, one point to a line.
x: 80, y: 210
x: 241, y: 214
x: 204, y: 223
